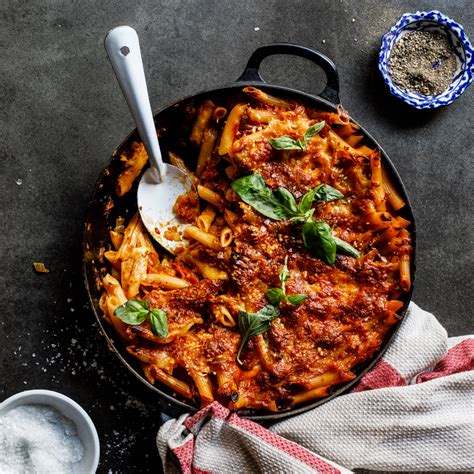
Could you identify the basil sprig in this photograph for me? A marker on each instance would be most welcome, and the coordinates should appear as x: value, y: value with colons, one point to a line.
x: 318, y: 239
x: 253, y: 324
x: 287, y: 143
x: 281, y: 204
x: 277, y: 295
x: 135, y: 312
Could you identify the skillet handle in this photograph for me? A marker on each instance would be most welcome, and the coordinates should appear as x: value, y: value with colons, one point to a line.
x: 251, y: 72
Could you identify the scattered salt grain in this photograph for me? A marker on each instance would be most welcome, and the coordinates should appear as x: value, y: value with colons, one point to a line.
x: 323, y: 41
x: 256, y: 28
x: 37, y: 438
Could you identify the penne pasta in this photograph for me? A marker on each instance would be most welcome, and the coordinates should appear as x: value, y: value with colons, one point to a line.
x: 393, y: 197
x: 130, y: 237
x: 154, y: 373
x: 364, y: 150
x: 206, y: 270
x: 226, y: 237
x: 267, y: 99
x: 134, y: 270
x: 378, y: 192
x: 223, y: 316
x: 116, y: 239
x: 202, y: 121
x: 230, y: 171
x: 114, y: 297
x: 261, y: 116
x: 346, y: 130
x: 219, y: 113
x: 207, y: 145
x: 324, y: 380
x: 394, y: 305
x: 354, y: 140
x: 205, y: 238
x: 132, y: 167
x: 231, y: 218
x: 210, y: 196
x: 177, y: 161
x: 230, y: 129
x: 206, y: 218
x: 164, y: 281
x: 380, y: 220
x: 405, y: 279
x: 309, y: 395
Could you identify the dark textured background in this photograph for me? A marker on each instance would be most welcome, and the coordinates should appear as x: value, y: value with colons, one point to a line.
x: 62, y: 114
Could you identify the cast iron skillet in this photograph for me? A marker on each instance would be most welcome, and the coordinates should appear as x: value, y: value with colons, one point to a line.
x: 104, y: 207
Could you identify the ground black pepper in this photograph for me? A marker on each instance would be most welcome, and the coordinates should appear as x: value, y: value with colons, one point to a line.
x: 423, y: 62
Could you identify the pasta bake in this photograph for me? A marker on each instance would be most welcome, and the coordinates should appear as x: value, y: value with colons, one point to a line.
x: 292, y: 268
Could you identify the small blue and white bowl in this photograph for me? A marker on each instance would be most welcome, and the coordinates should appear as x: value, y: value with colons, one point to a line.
x: 437, y: 22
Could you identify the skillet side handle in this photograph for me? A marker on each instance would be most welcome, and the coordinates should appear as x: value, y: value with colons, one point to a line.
x: 251, y: 72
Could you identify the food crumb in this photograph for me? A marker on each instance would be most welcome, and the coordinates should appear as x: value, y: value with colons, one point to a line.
x: 19, y: 181
x: 40, y: 267
x: 323, y: 41
x: 353, y: 20
x: 256, y: 28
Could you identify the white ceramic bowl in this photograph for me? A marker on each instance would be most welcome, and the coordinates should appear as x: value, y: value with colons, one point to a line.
x: 70, y: 409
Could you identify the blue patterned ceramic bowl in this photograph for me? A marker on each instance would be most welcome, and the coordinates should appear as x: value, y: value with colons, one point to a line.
x: 437, y: 22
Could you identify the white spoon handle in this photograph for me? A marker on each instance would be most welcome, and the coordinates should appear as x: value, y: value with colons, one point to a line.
x: 123, y: 48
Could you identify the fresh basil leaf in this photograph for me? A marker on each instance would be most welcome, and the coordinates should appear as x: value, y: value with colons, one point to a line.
x: 285, y: 143
x: 307, y: 201
x: 159, y: 322
x: 344, y: 247
x: 253, y: 324
x: 253, y: 190
x: 321, y: 193
x: 318, y: 239
x: 296, y: 299
x: 132, y: 312
x: 326, y: 193
x: 286, y: 199
x: 300, y: 218
x: 275, y: 296
x: 269, y: 312
x: 312, y: 131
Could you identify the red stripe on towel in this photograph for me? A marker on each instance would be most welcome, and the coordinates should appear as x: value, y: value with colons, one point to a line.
x: 215, y: 408
x: 459, y: 358
x: 185, y: 454
x: 289, y: 447
x: 382, y: 375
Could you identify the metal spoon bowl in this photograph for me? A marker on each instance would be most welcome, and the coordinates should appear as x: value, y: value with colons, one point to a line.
x: 162, y: 183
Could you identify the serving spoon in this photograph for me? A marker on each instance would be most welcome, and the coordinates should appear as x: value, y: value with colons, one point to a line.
x: 162, y: 183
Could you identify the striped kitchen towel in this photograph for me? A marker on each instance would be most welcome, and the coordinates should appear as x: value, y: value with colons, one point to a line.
x: 414, y: 411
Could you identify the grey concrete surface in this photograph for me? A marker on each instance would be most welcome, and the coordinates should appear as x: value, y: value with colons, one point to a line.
x: 62, y: 114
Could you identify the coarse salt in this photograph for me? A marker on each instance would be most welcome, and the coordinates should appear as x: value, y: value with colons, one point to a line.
x: 37, y: 438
